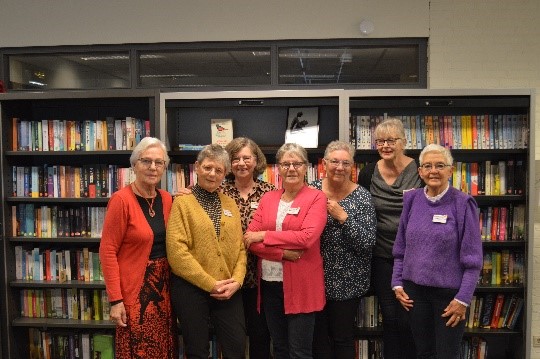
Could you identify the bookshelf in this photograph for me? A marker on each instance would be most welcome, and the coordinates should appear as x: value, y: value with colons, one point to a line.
x: 31, y: 287
x: 470, y: 116
x: 184, y: 117
x: 260, y: 115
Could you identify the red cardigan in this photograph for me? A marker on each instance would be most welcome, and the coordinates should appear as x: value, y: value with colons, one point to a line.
x: 303, y: 280
x: 126, y: 242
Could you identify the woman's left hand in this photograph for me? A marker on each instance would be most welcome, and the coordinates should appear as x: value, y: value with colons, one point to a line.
x: 336, y: 211
x: 252, y: 237
x: 455, y: 312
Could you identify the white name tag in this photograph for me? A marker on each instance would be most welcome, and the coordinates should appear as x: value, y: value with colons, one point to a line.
x: 293, y: 210
x: 254, y: 205
x: 227, y: 213
x: 439, y: 218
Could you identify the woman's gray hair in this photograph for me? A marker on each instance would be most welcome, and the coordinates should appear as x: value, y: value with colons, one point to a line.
x: 293, y: 148
x: 145, y: 144
x: 390, y: 125
x: 338, y: 145
x: 434, y: 148
x: 216, y: 153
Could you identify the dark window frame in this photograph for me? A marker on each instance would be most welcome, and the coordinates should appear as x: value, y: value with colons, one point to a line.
x: 135, y: 49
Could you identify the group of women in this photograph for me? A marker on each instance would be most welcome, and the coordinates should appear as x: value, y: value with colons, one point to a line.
x: 289, y: 266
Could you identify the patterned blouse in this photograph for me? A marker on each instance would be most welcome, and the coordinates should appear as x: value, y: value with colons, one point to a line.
x: 247, y: 207
x: 346, y: 248
x: 211, y: 204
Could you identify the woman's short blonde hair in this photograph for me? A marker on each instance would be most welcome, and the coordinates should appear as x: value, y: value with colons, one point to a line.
x: 390, y: 125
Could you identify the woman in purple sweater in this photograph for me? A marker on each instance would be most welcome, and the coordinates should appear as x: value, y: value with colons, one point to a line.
x: 437, y: 257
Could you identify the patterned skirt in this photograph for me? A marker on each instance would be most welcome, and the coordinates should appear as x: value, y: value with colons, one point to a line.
x: 151, y: 330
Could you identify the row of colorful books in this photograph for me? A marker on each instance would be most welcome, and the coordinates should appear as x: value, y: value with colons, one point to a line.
x: 30, y: 220
x: 58, y: 345
x: 57, y: 264
x: 58, y: 181
x: 473, y: 348
x: 505, y: 223
x: 65, y: 303
x: 504, y: 267
x: 83, y: 135
x: 490, y: 178
x: 494, y: 311
x: 474, y: 131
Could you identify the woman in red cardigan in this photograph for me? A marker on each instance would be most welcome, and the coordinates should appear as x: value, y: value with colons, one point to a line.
x: 134, y: 262
x: 285, y: 234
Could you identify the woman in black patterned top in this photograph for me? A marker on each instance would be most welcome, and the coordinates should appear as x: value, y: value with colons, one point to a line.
x: 242, y: 185
x: 346, y: 246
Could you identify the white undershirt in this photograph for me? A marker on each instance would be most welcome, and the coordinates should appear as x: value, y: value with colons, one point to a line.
x: 273, y: 271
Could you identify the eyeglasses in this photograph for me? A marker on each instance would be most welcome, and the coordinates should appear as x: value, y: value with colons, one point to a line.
x: 430, y: 166
x: 246, y: 159
x: 336, y: 163
x: 146, y: 162
x: 287, y: 165
x: 209, y: 169
x: 390, y: 141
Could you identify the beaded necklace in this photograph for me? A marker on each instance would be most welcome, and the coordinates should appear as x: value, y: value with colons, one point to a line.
x: 151, y: 211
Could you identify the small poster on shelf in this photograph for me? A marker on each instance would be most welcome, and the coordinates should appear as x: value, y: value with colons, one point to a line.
x: 303, y: 126
x: 222, y: 131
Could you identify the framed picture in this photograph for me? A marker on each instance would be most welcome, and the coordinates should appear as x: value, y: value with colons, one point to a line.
x: 303, y: 126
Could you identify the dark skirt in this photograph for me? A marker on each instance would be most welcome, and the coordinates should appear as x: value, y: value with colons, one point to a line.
x: 151, y: 330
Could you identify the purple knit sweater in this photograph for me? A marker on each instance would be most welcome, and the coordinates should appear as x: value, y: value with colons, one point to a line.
x: 442, y: 255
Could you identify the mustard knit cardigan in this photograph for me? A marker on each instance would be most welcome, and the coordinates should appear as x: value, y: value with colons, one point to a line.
x: 194, y: 251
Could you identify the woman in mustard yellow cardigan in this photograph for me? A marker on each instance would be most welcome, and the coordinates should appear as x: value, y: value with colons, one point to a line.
x: 208, y: 261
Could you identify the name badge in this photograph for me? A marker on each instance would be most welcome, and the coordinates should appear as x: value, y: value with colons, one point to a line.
x: 293, y: 210
x: 439, y: 218
x: 227, y: 213
x: 254, y: 205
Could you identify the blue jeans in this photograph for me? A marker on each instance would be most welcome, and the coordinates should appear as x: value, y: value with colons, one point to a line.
x: 292, y: 334
x: 335, y: 330
x: 433, y: 339
x: 397, y: 336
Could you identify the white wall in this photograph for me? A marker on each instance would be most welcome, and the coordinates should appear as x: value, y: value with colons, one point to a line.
x: 77, y: 22
x: 486, y: 44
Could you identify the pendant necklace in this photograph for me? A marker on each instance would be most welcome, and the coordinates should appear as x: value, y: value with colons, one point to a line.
x: 151, y: 211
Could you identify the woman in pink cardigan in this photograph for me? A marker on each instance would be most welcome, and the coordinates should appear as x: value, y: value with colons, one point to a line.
x: 285, y: 234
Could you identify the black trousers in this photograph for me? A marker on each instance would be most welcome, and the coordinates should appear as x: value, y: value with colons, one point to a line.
x: 196, y: 310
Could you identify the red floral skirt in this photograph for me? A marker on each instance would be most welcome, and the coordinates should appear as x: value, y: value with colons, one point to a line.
x: 151, y: 330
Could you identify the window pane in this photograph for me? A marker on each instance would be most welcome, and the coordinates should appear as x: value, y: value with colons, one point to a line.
x: 69, y: 71
x: 212, y: 67
x: 349, y: 65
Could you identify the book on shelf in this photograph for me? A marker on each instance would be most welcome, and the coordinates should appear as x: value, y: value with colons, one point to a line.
x: 303, y: 126
x: 221, y: 131
x: 103, y: 346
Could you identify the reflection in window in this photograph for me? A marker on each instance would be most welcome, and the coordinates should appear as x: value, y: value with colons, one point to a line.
x: 208, y: 67
x: 349, y: 65
x: 69, y: 71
